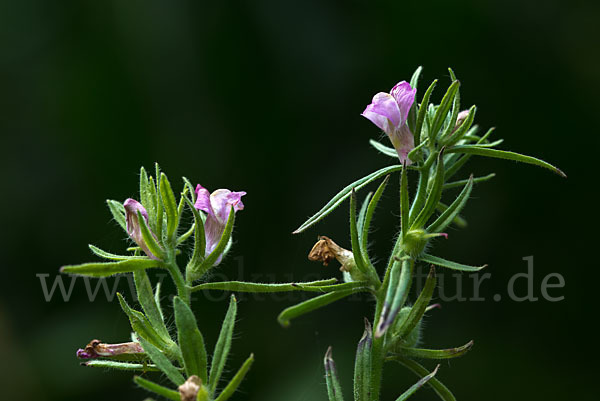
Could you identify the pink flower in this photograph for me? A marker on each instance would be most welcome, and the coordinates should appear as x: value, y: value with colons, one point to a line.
x: 217, y: 207
x: 132, y: 207
x: 389, y: 111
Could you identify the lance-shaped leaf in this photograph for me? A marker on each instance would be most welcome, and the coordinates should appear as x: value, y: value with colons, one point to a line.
x: 434, y: 195
x: 107, y: 269
x: 455, y: 163
x: 436, y: 353
x: 396, y: 298
x: 362, y: 215
x: 118, y: 211
x: 422, y: 112
x: 190, y: 340
x: 363, y: 365
x: 453, y: 210
x: 458, y: 220
x: 462, y: 183
x: 170, y: 205
x: 413, y: 389
x: 149, y: 305
x: 157, y: 301
x: 441, y: 390
x: 418, y: 309
x: 503, y: 154
x: 116, y: 365
x: 219, y: 249
x: 361, y: 264
x: 157, y: 388
x: 149, y: 239
x: 334, y: 390
x: 199, y: 237
x: 412, y: 113
x: 111, y: 256
x: 314, y: 286
x: 345, y: 193
x: 442, y: 110
x: 313, y: 304
x: 435, y: 260
x: 142, y: 327
x: 237, y: 379
x: 147, y: 194
x: 162, y: 362
x: 452, y: 118
x: 404, y: 203
x: 386, y: 150
x: 369, y: 214
x: 223, y: 346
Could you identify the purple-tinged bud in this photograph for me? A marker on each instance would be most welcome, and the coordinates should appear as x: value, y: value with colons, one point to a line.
x: 217, y: 207
x: 96, y: 349
x: 389, y: 111
x: 132, y: 207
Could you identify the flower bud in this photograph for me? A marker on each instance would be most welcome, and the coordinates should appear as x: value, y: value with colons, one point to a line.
x: 414, y: 337
x: 132, y: 207
x: 415, y: 241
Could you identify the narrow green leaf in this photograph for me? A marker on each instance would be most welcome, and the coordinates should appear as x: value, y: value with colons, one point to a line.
x: 159, y: 205
x: 162, y: 362
x: 356, y: 248
x: 437, y: 353
x: 345, y: 193
x: 422, y: 112
x: 157, y: 388
x: 149, y: 238
x: 455, y: 164
x: 111, y: 256
x: 312, y: 304
x: 413, y: 389
x: 170, y: 206
x: 453, y: 210
x: 118, y: 211
x: 237, y: 379
x: 363, y: 365
x: 157, y: 301
x: 450, y: 265
x: 362, y: 216
x: 441, y: 390
x: 369, y: 214
x: 414, y: 80
x: 451, y: 121
x: 459, y: 221
x: 142, y: 327
x: 190, y: 341
x: 220, y: 248
x: 147, y: 194
x: 386, y: 150
x: 116, y: 365
x: 241, y: 286
x: 503, y: 154
x: 105, y: 269
x: 404, y: 203
x: 223, y: 346
x: 334, y: 389
x: 418, y: 309
x: 199, y: 238
x: 412, y: 113
x: 399, y: 298
x: 148, y: 302
x: 461, y: 183
x: 434, y: 195
x: 192, y: 191
x: 442, y: 110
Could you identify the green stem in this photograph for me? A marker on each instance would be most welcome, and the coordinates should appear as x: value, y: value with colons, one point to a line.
x: 424, y: 173
x: 183, y: 291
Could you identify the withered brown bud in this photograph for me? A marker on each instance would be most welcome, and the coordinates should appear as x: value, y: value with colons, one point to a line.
x: 96, y: 349
x: 189, y: 390
x: 326, y: 250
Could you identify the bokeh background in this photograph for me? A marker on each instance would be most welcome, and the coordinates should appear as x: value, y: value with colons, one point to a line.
x: 265, y: 97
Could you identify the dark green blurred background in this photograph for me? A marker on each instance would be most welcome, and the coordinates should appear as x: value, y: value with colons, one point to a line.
x: 265, y: 97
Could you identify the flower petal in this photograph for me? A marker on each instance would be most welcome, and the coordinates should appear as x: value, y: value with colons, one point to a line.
x: 403, y: 141
x: 404, y: 96
x: 383, y: 105
x: 203, y: 199
x: 221, y: 201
